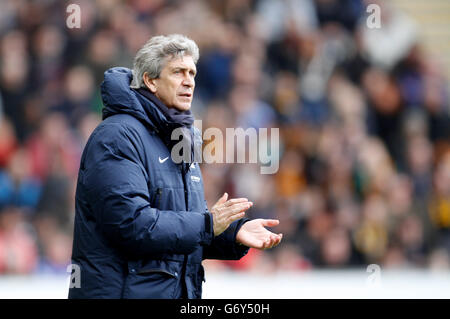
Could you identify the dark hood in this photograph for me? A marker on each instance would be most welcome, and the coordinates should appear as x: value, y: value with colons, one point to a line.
x: 119, y: 98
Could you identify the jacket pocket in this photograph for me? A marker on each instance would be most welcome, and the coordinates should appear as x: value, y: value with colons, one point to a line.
x: 156, y: 279
x: 166, y: 267
x: 158, y: 270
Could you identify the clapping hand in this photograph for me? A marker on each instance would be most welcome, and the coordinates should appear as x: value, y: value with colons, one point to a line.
x: 227, y: 211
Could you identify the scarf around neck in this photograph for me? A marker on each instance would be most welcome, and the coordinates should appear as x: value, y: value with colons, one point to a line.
x: 173, y: 116
x: 173, y: 119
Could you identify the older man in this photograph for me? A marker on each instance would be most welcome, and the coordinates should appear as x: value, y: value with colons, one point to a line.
x: 142, y: 227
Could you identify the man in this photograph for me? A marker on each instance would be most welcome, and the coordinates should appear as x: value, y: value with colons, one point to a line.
x: 142, y: 227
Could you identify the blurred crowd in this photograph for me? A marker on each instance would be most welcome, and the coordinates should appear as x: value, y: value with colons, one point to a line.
x: 363, y: 114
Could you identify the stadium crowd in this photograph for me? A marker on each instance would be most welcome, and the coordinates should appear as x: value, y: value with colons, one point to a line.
x: 364, y: 119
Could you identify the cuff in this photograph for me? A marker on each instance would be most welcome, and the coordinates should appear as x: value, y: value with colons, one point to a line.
x: 209, y: 230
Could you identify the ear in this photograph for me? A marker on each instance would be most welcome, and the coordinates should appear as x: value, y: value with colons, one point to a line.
x: 149, y: 83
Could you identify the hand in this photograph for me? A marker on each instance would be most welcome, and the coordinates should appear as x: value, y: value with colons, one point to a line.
x: 225, y: 212
x: 253, y: 234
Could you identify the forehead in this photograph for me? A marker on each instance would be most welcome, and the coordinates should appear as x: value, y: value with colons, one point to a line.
x: 185, y: 62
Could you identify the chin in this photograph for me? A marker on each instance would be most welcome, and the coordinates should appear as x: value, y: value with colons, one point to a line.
x: 183, y: 107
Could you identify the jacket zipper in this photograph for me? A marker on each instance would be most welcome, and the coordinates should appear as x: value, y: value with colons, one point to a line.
x: 185, y: 259
x: 158, y: 197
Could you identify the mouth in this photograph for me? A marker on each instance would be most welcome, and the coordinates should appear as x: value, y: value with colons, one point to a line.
x: 186, y: 95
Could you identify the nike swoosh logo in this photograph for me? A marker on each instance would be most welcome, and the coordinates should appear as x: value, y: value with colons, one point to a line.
x: 163, y: 160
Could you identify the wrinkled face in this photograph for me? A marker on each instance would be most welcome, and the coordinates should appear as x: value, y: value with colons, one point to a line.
x: 175, y: 85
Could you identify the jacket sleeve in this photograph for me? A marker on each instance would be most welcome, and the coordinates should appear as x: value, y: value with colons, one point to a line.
x: 224, y: 246
x: 116, y: 185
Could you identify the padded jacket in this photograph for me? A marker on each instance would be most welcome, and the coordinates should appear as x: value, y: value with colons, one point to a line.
x: 142, y: 226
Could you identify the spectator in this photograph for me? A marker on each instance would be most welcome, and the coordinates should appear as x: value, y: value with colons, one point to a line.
x: 18, y: 251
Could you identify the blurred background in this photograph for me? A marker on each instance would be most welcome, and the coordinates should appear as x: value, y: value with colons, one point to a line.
x: 363, y: 113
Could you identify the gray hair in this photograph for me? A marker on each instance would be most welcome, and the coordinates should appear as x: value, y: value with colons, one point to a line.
x: 152, y: 57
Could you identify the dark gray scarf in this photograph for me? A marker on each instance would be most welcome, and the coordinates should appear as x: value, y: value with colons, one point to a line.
x: 172, y: 120
x: 173, y: 116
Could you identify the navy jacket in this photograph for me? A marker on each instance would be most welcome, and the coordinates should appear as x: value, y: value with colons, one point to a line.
x: 142, y: 226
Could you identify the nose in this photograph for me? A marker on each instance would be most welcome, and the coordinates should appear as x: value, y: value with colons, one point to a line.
x: 189, y: 81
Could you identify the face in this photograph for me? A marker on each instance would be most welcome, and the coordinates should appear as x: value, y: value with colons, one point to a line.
x: 175, y: 85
